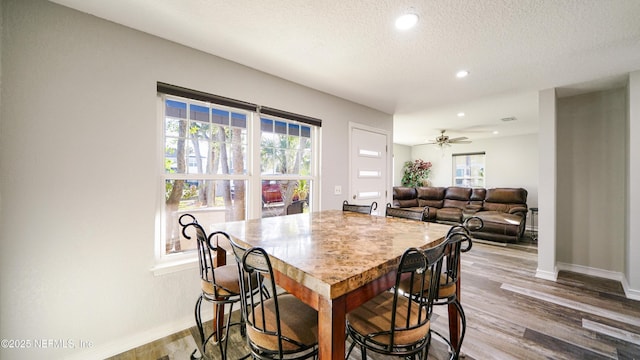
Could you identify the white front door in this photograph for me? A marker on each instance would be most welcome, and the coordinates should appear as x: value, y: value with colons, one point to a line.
x: 368, y: 163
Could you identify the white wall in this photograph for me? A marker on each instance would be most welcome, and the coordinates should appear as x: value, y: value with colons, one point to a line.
x: 401, y: 153
x: 547, y: 268
x: 79, y: 145
x: 510, y: 162
x: 632, y: 243
x: 591, y: 195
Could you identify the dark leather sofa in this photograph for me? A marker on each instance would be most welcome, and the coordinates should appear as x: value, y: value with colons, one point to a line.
x: 503, y: 210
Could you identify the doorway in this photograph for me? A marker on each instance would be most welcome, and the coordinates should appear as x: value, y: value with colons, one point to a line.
x: 368, y: 164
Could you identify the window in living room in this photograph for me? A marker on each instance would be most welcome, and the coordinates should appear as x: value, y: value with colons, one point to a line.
x: 211, y: 166
x: 468, y: 169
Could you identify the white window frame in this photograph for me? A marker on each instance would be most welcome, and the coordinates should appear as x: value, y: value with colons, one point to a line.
x: 284, y: 177
x: 469, y: 177
x: 169, y: 263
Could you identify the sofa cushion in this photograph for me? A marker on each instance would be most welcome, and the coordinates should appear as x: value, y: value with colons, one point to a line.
x: 404, y: 197
x: 506, y: 200
x: 431, y: 196
x: 506, y: 196
x: 503, y: 208
x: 457, y: 204
x: 406, y: 203
x: 429, y: 212
x: 458, y: 193
x: 477, y: 196
x: 449, y: 214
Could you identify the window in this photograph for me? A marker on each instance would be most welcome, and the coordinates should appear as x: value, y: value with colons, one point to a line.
x: 468, y: 169
x: 212, y: 169
x: 205, y: 157
x: 285, y: 164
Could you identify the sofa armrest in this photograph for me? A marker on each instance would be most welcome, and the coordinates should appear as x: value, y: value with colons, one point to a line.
x: 520, y: 210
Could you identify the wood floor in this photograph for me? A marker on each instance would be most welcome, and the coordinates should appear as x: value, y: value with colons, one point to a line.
x: 510, y: 315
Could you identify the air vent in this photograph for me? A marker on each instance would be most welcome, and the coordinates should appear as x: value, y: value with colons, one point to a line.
x: 512, y: 118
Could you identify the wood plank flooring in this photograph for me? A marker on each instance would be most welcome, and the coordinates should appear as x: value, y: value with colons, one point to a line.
x: 510, y: 315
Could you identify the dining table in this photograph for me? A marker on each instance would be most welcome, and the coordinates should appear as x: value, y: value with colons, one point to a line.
x: 336, y: 260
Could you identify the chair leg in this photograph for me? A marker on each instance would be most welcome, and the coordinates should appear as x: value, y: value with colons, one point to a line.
x: 463, y: 319
x: 200, y: 329
x: 226, y: 332
x: 353, y: 344
x: 426, y: 348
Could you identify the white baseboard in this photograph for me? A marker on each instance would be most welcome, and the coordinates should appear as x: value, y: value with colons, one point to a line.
x: 632, y: 294
x: 605, y: 274
x: 547, y: 275
x: 133, y: 341
x: 587, y: 270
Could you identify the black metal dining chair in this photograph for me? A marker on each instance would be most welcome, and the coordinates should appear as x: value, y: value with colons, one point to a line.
x: 458, y: 241
x: 407, y: 213
x: 279, y: 325
x: 219, y: 284
x: 393, y: 323
x: 295, y: 207
x: 364, y: 209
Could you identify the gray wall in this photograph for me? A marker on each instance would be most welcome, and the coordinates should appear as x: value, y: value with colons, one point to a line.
x: 591, y: 197
x: 586, y: 193
x: 79, y: 140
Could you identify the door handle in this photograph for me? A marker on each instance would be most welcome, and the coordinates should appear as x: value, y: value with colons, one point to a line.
x: 354, y: 197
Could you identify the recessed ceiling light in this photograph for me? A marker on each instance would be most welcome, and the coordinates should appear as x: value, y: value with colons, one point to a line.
x: 462, y: 73
x: 496, y: 132
x: 406, y: 21
x: 460, y: 114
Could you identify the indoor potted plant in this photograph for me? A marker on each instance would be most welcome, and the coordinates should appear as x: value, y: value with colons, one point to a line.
x: 416, y: 173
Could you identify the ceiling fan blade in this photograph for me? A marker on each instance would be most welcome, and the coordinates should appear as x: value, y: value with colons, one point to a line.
x: 461, y: 142
x: 458, y: 138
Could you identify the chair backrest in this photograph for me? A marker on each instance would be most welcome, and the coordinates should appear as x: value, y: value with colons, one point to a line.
x: 457, y: 242
x: 364, y: 209
x: 210, y: 255
x: 406, y: 213
x: 412, y: 317
x: 262, y: 311
x: 295, y: 207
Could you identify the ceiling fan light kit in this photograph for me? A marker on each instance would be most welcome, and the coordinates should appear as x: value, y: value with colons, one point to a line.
x: 444, y: 140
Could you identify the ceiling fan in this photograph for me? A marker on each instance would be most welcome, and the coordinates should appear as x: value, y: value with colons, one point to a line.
x: 444, y: 140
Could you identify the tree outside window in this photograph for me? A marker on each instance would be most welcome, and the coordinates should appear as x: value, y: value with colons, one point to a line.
x: 207, y: 169
x: 205, y: 149
x: 285, y: 164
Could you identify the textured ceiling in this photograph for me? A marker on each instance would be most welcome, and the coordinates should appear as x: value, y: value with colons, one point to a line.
x: 512, y: 48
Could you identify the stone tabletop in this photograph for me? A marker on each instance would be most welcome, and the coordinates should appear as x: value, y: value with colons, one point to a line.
x: 333, y: 252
